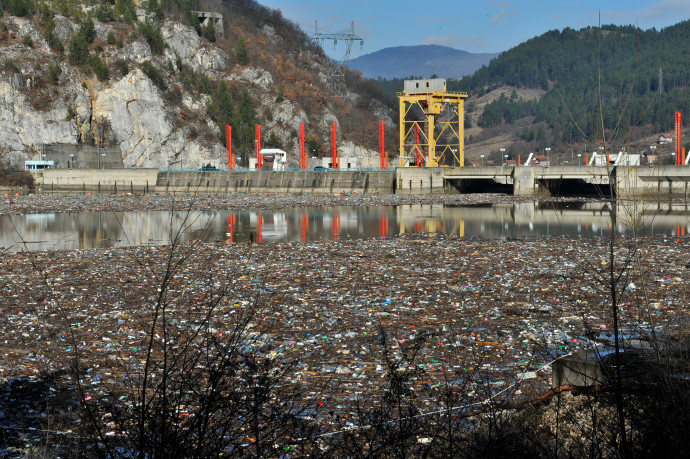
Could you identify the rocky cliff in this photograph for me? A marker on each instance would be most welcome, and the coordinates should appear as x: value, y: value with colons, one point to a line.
x: 146, y: 103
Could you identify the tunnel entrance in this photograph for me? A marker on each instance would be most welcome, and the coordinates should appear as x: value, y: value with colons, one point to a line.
x: 572, y: 187
x: 463, y: 186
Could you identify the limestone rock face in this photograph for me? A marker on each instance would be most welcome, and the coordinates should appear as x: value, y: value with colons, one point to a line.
x: 137, y: 51
x: 24, y: 27
x: 25, y: 129
x: 133, y: 114
x: 133, y: 109
x: 255, y: 75
x: 183, y: 41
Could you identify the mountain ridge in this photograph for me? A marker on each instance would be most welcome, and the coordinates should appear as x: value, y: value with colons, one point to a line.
x: 421, y: 60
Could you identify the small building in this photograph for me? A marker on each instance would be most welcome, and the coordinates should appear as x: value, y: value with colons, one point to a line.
x: 37, y: 166
x: 665, y: 138
x: 424, y: 86
x: 274, y: 159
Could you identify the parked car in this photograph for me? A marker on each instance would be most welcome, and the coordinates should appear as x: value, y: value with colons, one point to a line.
x: 209, y: 167
x: 321, y: 168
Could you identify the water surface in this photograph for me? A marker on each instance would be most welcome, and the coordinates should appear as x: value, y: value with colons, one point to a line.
x: 66, y: 231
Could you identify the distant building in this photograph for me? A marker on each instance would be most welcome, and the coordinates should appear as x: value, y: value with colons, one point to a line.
x: 540, y: 160
x: 665, y: 138
x: 208, y: 17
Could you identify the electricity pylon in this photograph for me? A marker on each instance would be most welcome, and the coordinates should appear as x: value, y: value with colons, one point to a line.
x: 336, y: 74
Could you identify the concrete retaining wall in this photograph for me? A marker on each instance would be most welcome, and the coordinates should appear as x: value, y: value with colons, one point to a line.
x: 112, y: 180
x: 277, y: 182
x: 420, y: 180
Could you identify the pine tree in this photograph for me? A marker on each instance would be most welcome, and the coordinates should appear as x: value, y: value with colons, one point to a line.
x: 242, y: 53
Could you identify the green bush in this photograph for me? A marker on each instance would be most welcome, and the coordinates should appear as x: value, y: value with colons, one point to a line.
x: 122, y: 67
x: 100, y: 68
x: 155, y: 75
x: 19, y: 7
x: 53, y: 72
x: 78, y: 49
x: 126, y: 11
x: 111, y: 38
x: 152, y: 35
x: 28, y: 41
x: 11, y: 66
x: 88, y: 30
x: 210, y: 32
x: 104, y: 13
x: 54, y: 42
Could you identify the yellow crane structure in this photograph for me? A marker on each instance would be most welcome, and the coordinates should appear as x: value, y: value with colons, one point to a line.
x: 426, y: 140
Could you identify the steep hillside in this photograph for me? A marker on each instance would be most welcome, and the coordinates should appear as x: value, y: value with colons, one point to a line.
x: 421, y: 61
x: 153, y: 80
x: 640, y: 77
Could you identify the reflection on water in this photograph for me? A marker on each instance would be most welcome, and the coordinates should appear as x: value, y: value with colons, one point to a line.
x: 116, y: 229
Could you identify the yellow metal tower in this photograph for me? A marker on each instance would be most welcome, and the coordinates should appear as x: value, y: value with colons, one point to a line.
x: 421, y: 143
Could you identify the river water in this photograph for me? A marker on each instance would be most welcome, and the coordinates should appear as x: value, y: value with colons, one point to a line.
x: 66, y: 231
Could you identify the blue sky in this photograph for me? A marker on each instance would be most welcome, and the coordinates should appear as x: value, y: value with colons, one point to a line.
x: 477, y: 26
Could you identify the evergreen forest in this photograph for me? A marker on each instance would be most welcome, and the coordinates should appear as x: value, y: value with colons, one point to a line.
x: 642, y: 76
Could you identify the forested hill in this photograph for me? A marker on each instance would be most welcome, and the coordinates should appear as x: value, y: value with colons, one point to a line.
x: 567, y: 65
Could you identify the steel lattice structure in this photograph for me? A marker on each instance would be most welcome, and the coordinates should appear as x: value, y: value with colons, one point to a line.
x: 423, y: 139
x: 336, y: 74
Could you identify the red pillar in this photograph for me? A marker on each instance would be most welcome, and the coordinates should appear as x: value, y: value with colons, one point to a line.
x: 519, y: 163
x: 335, y: 158
x: 586, y: 159
x: 257, y: 141
x: 304, y: 162
x: 231, y: 226
x: 304, y: 227
x: 382, y: 147
x: 677, y: 139
x: 383, y: 225
x: 259, y: 227
x: 228, y: 144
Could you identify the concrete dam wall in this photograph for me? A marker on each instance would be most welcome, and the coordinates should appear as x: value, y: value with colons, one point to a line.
x: 152, y: 180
